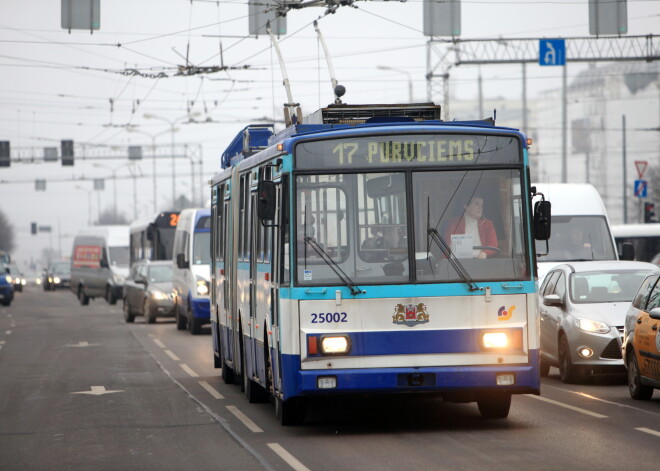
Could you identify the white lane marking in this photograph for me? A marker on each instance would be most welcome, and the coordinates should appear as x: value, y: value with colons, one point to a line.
x: 13, y: 324
x: 82, y: 344
x: 159, y: 343
x: 648, y: 430
x: 573, y: 408
x: 287, y: 457
x: 211, y: 390
x: 8, y: 332
x: 97, y: 391
x: 188, y: 370
x: 245, y: 419
x: 2, y: 342
x: 171, y: 354
x: 589, y: 396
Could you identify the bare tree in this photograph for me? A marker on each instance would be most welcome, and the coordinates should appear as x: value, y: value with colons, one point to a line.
x: 108, y: 218
x: 6, y: 234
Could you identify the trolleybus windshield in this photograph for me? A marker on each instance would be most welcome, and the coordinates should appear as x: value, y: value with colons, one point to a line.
x: 409, y: 224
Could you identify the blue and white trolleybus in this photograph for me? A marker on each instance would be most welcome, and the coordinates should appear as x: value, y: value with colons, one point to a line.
x: 345, y: 260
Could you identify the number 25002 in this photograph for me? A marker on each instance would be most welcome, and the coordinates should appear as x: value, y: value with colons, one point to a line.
x: 328, y: 317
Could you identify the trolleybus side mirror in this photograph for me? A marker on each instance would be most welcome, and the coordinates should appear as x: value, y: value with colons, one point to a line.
x: 181, y: 261
x: 627, y: 251
x: 266, y: 200
x: 542, y: 220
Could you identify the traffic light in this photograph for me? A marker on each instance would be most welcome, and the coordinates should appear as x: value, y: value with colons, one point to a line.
x: 33, y: 228
x: 649, y: 212
x: 67, y: 152
x: 5, y: 153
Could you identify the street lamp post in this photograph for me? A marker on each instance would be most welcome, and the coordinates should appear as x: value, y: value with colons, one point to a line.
x: 153, y: 155
x: 114, y: 185
x: 89, y: 203
x: 172, y: 123
x: 410, y: 84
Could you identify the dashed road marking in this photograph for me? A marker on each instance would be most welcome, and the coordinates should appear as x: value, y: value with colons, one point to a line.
x: 211, y: 390
x: 287, y: 457
x: 171, y: 354
x: 188, y: 370
x: 8, y: 332
x: 159, y: 343
x: 245, y: 419
x: 648, y: 430
x: 567, y: 406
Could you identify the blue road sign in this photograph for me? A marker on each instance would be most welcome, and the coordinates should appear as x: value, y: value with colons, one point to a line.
x: 641, y: 188
x: 552, y: 52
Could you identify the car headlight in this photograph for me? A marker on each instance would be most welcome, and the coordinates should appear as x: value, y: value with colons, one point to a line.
x: 56, y: 279
x: 202, y: 287
x: 158, y: 295
x: 8, y: 278
x: 589, y: 325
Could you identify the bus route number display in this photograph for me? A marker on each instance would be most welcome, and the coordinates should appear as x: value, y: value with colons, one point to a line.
x: 409, y: 150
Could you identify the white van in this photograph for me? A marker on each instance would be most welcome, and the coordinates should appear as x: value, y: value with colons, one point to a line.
x: 191, y: 273
x: 99, y: 263
x: 580, y: 228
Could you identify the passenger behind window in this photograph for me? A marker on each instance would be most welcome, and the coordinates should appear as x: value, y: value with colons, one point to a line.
x: 479, y: 239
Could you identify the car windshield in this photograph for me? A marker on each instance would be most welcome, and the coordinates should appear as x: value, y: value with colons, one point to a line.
x: 61, y: 268
x: 606, y: 287
x: 119, y: 256
x: 578, y: 238
x: 160, y: 273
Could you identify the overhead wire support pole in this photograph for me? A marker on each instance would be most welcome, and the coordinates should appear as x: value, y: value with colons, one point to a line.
x: 291, y: 109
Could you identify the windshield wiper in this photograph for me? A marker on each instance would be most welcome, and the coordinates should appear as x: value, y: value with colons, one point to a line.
x: 355, y: 289
x: 458, y: 266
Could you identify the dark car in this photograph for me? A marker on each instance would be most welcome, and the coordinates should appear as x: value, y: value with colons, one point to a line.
x: 148, y: 291
x: 6, y: 286
x: 57, y: 275
x: 17, y: 278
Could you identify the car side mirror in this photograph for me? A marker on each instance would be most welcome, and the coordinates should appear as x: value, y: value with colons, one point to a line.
x: 181, y: 261
x: 142, y: 280
x: 627, y: 251
x: 103, y: 263
x: 552, y: 300
x: 655, y: 313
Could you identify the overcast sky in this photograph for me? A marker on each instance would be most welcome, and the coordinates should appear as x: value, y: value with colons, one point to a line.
x: 59, y: 85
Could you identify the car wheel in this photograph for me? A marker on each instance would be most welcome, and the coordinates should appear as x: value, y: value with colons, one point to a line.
x: 495, y: 406
x: 181, y: 322
x: 6, y: 302
x: 194, y: 324
x: 82, y: 297
x: 148, y: 315
x: 544, y: 368
x: 110, y: 295
x: 128, y: 315
x: 567, y: 371
x: 637, y: 390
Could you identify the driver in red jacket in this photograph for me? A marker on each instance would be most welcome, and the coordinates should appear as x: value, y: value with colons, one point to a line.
x: 473, y: 223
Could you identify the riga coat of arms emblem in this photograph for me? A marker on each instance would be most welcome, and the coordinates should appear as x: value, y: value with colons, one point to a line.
x: 410, y: 314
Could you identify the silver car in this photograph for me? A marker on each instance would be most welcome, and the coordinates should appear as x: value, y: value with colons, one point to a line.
x: 582, y: 309
x: 148, y: 291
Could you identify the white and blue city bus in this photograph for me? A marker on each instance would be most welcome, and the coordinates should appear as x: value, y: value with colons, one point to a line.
x: 338, y: 267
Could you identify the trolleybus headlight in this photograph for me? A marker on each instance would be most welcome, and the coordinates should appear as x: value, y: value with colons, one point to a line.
x: 8, y: 278
x: 335, y: 344
x: 495, y: 340
x: 589, y: 325
x: 56, y: 280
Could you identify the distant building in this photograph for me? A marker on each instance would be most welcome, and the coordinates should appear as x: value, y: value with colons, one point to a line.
x: 597, y: 100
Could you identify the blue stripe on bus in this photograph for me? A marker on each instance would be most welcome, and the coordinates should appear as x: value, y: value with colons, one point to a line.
x: 408, y: 291
x: 385, y: 380
x: 413, y: 342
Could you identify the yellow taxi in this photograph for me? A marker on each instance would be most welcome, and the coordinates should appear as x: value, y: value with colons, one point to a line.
x: 641, y: 340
